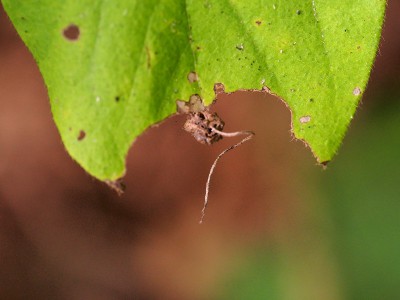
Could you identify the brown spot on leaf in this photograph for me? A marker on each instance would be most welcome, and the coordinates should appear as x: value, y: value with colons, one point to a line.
x: 71, y: 32
x: 194, y: 105
x: 192, y: 77
x: 258, y: 22
x: 219, y: 88
x: 81, y: 135
x: 182, y: 107
x: 148, y: 57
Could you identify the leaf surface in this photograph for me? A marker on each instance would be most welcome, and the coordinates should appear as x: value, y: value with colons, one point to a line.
x: 114, y: 68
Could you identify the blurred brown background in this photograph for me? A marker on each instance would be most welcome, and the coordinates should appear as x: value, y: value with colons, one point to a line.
x: 275, y: 227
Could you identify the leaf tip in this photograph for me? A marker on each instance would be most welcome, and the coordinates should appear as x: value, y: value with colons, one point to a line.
x: 324, y: 164
x: 117, y: 185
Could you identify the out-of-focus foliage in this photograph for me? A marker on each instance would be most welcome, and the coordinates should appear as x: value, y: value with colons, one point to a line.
x: 361, y: 192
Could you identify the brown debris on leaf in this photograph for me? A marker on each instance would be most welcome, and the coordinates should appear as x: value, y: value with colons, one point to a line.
x: 219, y: 88
x: 200, y: 125
x: 194, y: 105
x: 71, y: 32
x: 206, y: 127
x: 201, y: 121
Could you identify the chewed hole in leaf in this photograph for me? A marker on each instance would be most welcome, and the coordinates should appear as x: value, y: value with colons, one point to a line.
x: 71, y: 32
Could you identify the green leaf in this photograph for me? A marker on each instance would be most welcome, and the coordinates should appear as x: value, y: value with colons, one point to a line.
x: 130, y: 61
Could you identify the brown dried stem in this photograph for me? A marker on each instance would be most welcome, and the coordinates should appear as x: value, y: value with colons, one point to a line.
x: 249, y: 134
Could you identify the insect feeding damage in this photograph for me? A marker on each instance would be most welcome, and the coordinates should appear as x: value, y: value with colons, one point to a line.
x: 206, y: 127
x: 200, y: 125
x: 201, y: 121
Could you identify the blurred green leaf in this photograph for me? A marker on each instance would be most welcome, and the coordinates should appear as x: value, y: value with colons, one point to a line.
x: 253, y: 277
x: 114, y: 68
x: 363, y: 191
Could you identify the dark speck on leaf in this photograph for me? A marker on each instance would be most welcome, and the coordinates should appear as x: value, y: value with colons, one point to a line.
x: 324, y: 164
x: 298, y: 12
x: 81, y: 135
x: 240, y: 47
x: 71, y: 32
x: 117, y: 98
